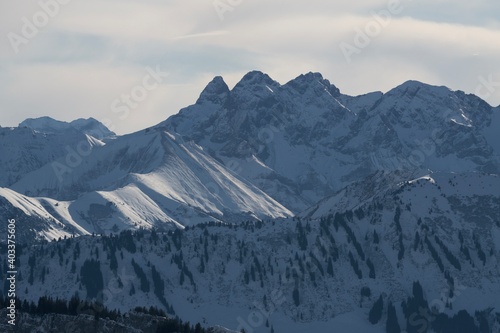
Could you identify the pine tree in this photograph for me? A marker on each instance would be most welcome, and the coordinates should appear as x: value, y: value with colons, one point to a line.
x: 91, y: 277
x: 376, y: 239
x: 296, y: 297
x: 376, y: 311
x: 366, y: 292
x: 371, y: 267
x: 392, y: 325
x: 113, y: 263
x: 142, y: 276
x: 329, y: 268
x: 416, y: 241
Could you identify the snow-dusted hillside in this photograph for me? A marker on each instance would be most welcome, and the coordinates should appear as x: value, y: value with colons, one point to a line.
x: 441, y: 230
x: 39, y: 218
x: 150, y: 178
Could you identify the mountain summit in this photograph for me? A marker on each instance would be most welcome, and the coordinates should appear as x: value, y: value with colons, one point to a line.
x: 88, y: 126
x: 214, y: 92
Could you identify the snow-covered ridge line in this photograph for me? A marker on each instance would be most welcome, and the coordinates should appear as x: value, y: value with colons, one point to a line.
x: 260, y: 150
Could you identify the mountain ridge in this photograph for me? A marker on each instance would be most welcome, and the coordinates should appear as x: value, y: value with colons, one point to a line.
x: 392, y: 125
x: 267, y: 207
x: 295, y: 144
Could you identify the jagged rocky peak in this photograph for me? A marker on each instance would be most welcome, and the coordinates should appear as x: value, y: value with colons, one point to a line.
x: 215, y: 91
x: 314, y: 80
x: 254, y: 90
x: 256, y: 78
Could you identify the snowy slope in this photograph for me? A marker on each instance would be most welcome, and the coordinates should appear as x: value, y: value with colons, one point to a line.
x: 226, y: 275
x: 147, y: 179
x: 42, y: 219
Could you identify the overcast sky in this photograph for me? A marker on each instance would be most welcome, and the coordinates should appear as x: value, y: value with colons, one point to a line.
x: 83, y: 56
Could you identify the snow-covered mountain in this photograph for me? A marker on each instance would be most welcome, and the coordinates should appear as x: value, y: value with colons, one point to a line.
x: 259, y: 150
x: 292, y: 203
x: 23, y: 150
x: 89, y: 126
x: 304, y: 140
x: 147, y: 179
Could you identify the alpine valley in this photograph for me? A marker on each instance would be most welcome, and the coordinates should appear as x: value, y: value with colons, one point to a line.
x: 267, y: 207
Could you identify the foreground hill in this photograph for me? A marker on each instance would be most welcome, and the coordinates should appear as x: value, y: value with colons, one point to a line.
x: 424, y: 243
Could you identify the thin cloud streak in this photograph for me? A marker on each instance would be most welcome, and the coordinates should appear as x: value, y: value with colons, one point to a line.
x: 201, y: 35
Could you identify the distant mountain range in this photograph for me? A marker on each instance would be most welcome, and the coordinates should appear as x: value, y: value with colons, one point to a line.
x: 353, y: 211
x: 261, y: 150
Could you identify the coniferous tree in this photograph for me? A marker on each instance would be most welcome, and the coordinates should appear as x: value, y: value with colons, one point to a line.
x: 371, y: 267
x: 376, y: 311
x: 392, y: 325
x: 296, y: 296
x: 113, y: 263
x: 91, y: 277
x: 159, y: 285
x: 376, y: 238
x: 355, y: 266
x: 416, y: 241
x: 401, y: 251
x: 140, y: 273
x: 366, y: 292
x: 329, y: 268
